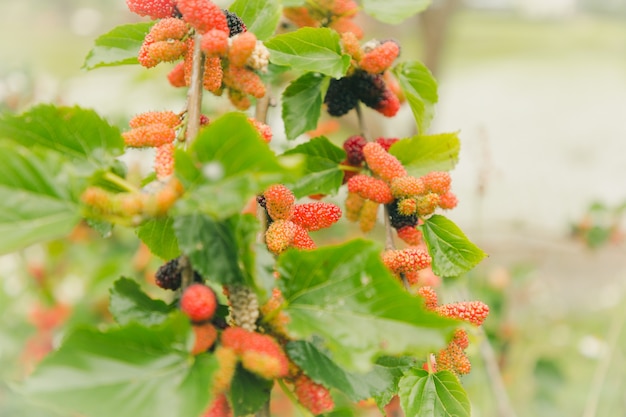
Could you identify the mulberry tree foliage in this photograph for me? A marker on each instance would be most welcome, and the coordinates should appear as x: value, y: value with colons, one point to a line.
x: 259, y: 285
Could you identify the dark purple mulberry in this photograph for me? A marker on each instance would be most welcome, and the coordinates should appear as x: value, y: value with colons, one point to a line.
x: 340, y: 96
x: 398, y: 220
x: 235, y: 24
x: 169, y: 277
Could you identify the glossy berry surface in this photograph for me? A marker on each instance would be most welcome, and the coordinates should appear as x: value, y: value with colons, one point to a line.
x: 198, y: 302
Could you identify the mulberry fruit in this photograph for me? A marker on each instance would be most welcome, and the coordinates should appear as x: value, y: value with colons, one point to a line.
x: 354, y: 149
x: 406, y: 260
x: 315, y: 397
x: 474, y: 312
x: 153, y: 135
x: 168, y: 118
x: 370, y: 188
x: 164, y: 161
x: 279, y: 201
x: 397, y: 219
x: 279, y: 236
x: 380, y: 58
x: 156, y: 9
x: 241, y: 48
x: 410, y: 235
x: 203, y: 15
x: 368, y: 216
x: 219, y: 407
x: 259, y: 353
x: 169, y: 29
x: 315, y: 216
x: 386, y: 142
x: 235, y: 24
x: 437, y: 182
x: 383, y: 163
x: 215, y: 42
x: 168, y: 276
x: 302, y: 240
x: 340, y: 97
x: 198, y: 302
x: 430, y: 297
x: 205, y: 336
x: 407, y: 186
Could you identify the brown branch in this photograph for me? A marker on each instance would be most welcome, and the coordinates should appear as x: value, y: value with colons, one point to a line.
x: 194, y: 94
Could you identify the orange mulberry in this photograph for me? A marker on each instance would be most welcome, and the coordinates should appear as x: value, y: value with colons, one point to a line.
x: 203, y: 15
x: 205, y: 336
x: 351, y: 46
x: 437, y: 182
x: 227, y: 362
x: 370, y: 188
x: 215, y: 42
x: 176, y: 76
x: 169, y: 28
x: 245, y: 81
x: 279, y: 201
x: 164, y: 161
x: 156, y: 9
x: 382, y: 163
x: 279, y: 236
x: 212, y: 79
x: 259, y: 353
x: 154, y: 135
x: 168, y: 118
x: 430, y: 297
x: 474, y: 312
x: 315, y: 216
x: 426, y: 204
x: 407, y: 206
x: 380, y: 58
x: 241, y: 48
x: 264, y: 130
x: 165, y: 51
x: 453, y: 359
x: 448, y: 201
x: 346, y: 24
x: 407, y: 186
x: 406, y: 260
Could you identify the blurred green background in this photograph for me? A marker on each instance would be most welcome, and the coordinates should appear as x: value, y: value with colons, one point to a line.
x: 537, y: 90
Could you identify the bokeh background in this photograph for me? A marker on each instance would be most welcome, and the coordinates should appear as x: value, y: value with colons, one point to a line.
x: 537, y: 89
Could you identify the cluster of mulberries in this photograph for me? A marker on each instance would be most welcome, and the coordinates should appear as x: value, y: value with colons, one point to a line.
x: 233, y: 56
x: 291, y: 223
x: 406, y: 262
x: 453, y: 358
x: 155, y: 129
x: 368, y: 79
x: 407, y: 198
x: 344, y: 94
x: 132, y: 208
x: 335, y: 14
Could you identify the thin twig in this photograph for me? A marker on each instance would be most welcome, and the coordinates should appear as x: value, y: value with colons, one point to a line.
x: 361, y: 120
x: 194, y: 94
x: 505, y: 409
x: 194, y: 110
x: 599, y: 377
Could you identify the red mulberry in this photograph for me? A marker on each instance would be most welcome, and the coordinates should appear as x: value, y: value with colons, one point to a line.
x: 279, y: 201
x: 474, y: 312
x: 354, y: 149
x: 198, y: 302
x: 156, y: 9
x: 315, y: 216
x: 315, y: 397
x: 370, y: 188
x: 430, y: 297
x: 203, y: 15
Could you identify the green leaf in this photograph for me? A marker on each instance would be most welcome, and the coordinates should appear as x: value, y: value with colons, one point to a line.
x: 158, y: 235
x: 322, y: 173
x: 128, y: 303
x: 248, y: 392
x: 345, y: 295
x: 120, y: 46
x: 233, y: 162
x: 302, y: 104
x: 131, y: 371
x: 394, y: 11
x: 36, y: 203
x: 422, y: 154
x: 322, y: 369
x: 420, y: 89
x: 71, y: 131
x: 433, y: 395
x: 311, y: 50
x: 452, y: 253
x: 211, y: 246
x: 260, y: 16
